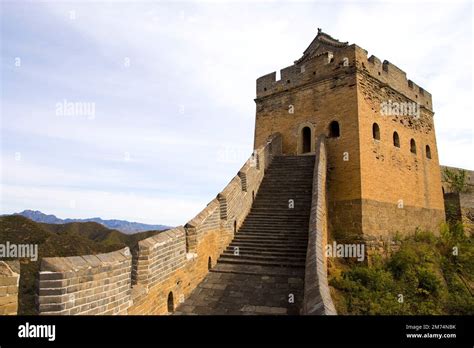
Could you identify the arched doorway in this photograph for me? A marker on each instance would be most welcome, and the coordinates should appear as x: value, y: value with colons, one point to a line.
x: 306, y: 135
x: 334, y: 131
x: 170, y: 302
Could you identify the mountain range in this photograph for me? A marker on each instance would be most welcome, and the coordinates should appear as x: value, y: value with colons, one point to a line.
x: 119, y: 225
x: 59, y: 240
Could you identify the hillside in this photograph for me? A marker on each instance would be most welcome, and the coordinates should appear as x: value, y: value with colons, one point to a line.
x: 70, y: 239
x: 120, y: 225
x: 425, y: 277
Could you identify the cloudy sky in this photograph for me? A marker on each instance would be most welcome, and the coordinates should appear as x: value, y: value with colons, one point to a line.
x: 170, y: 86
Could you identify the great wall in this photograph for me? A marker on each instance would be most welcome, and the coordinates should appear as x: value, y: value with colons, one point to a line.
x: 325, y: 162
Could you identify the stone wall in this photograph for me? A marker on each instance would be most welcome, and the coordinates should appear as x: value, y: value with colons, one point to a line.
x: 460, y: 207
x: 321, y: 91
x: 368, y: 178
x: 202, y: 240
x: 469, y: 178
x: 400, y: 189
x: 90, y: 284
x: 317, y: 296
x: 9, y: 280
x: 162, y: 270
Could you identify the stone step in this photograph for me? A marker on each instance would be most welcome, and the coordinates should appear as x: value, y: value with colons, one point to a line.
x: 272, y: 229
x: 277, y: 218
x: 276, y: 249
x: 277, y: 210
x: 273, y: 244
x: 281, y: 191
x: 243, y: 252
x: 282, y: 246
x: 271, y: 236
x: 274, y: 221
x: 265, y: 257
x: 264, y: 214
x: 225, y: 259
x: 284, y: 190
x: 299, y: 234
x: 275, y: 224
x: 296, y: 273
x: 280, y: 226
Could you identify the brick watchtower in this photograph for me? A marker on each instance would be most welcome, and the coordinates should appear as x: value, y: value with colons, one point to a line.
x: 384, y: 172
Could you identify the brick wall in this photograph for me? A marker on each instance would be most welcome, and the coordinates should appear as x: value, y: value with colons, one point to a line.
x: 201, y: 240
x: 162, y: 270
x: 400, y: 190
x: 9, y: 280
x: 90, y: 284
x: 317, y: 296
x: 367, y: 178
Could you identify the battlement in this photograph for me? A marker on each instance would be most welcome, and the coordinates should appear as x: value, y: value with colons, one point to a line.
x: 319, y: 67
x: 161, y: 271
x: 394, y: 77
x: 326, y: 58
x: 9, y: 283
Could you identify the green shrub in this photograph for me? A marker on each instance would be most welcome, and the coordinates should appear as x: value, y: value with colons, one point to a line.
x: 424, y: 271
x: 428, y: 283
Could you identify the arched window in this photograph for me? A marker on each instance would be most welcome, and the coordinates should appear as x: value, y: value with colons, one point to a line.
x: 334, y: 131
x: 413, y: 146
x: 170, y: 302
x: 306, y: 134
x: 428, y: 152
x: 209, y: 263
x: 396, y: 139
x: 375, y: 131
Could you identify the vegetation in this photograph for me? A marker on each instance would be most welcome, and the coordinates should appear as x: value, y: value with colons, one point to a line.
x: 427, y: 275
x: 456, y: 179
x: 72, y: 239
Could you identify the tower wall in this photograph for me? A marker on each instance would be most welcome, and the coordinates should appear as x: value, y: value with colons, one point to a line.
x: 400, y: 190
x: 320, y: 90
x: 375, y: 189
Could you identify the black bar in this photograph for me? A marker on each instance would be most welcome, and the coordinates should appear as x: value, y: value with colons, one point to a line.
x: 192, y: 330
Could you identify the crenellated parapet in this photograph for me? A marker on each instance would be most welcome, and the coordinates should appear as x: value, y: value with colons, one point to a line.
x: 9, y: 283
x: 326, y: 58
x: 318, y: 68
x: 89, y: 284
x: 392, y: 76
x: 161, y: 271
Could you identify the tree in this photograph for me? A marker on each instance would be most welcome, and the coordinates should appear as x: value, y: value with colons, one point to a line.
x: 456, y: 179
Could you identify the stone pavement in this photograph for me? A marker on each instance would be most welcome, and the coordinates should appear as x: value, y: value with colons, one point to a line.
x: 262, y: 270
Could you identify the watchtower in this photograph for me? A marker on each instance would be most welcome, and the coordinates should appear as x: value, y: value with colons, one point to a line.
x: 384, y: 174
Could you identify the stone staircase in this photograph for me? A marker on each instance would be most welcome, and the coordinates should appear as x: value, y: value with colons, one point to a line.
x: 262, y: 270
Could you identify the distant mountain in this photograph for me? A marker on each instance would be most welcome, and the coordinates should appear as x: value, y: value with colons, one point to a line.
x: 119, y: 225
x: 59, y: 240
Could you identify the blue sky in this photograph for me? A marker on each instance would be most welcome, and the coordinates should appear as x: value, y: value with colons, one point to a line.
x: 173, y: 86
